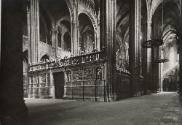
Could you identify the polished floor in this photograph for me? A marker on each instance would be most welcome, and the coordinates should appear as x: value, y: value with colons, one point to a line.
x: 155, y: 109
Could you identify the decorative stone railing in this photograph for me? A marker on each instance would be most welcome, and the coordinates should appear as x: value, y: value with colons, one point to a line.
x: 71, y: 61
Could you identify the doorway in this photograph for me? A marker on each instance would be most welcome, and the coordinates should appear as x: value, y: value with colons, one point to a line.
x: 59, y: 84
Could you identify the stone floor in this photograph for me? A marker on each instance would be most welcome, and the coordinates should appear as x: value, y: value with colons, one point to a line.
x: 155, y: 109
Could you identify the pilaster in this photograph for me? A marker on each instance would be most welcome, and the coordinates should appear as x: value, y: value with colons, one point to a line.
x: 149, y: 50
x: 98, y: 31
x: 75, y: 30
x: 34, y: 30
x: 55, y: 40
x: 109, y: 34
x: 180, y: 55
x: 149, y: 57
x: 132, y: 46
x: 180, y: 72
x: 28, y: 26
x: 52, y: 87
x: 138, y: 41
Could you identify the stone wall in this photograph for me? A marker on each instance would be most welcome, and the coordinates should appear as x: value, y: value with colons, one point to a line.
x: 122, y: 85
x: 87, y: 82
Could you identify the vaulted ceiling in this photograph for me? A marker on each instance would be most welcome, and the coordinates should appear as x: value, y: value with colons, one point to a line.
x: 166, y: 20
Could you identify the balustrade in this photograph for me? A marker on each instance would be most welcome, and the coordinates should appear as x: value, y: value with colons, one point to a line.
x: 81, y: 59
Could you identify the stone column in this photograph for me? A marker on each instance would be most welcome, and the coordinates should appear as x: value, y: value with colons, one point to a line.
x: 102, y: 23
x: 138, y: 47
x: 75, y: 39
x: 108, y: 37
x: 34, y: 37
x: 0, y: 35
x: 149, y: 57
x: 133, y: 46
x: 95, y: 39
x: 34, y: 30
x: 138, y: 24
x: 28, y: 28
x: 74, y: 29
x: 29, y: 86
x: 13, y: 109
x: 55, y: 40
x: 34, y: 86
x: 39, y: 85
x: 52, y: 87
x: 180, y: 71
x: 180, y: 53
x: 98, y: 31
x: 98, y: 39
x: 29, y: 49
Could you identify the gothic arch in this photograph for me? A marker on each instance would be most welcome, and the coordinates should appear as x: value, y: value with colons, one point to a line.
x: 165, y: 17
x: 64, y: 34
x: 65, y: 18
x: 156, y: 3
x: 91, y: 17
x: 91, y: 5
x: 45, y: 58
x: 87, y: 33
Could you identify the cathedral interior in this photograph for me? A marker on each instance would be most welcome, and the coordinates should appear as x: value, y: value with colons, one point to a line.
x: 98, y: 50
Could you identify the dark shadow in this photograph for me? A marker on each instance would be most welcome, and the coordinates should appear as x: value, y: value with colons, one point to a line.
x: 59, y: 84
x: 13, y: 110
